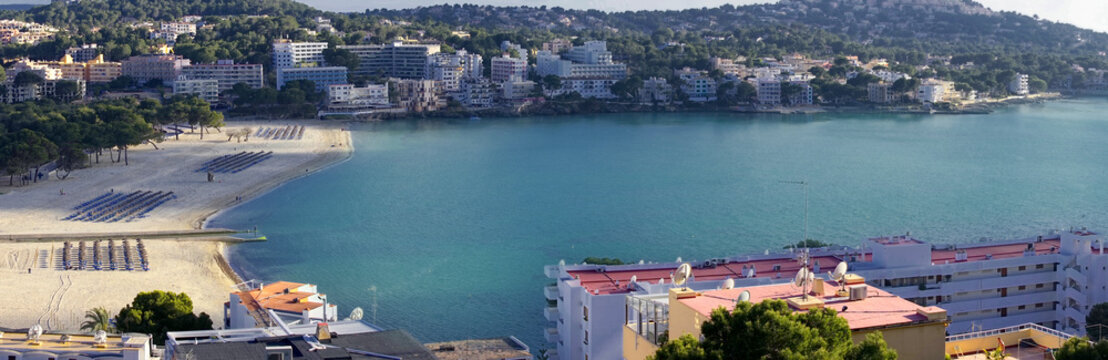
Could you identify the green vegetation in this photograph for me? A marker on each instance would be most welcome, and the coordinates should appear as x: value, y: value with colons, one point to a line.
x: 97, y: 319
x: 602, y: 261
x: 298, y: 99
x: 770, y: 330
x: 1097, y: 321
x: 158, y: 312
x: 810, y: 243
x: 1082, y: 349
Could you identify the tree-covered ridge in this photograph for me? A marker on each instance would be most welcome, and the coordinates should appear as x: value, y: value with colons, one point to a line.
x: 97, y: 13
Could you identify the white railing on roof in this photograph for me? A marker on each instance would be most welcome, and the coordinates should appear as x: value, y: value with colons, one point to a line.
x: 1010, y: 329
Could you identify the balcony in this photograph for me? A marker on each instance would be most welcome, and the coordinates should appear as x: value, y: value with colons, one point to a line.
x: 994, y: 322
x: 552, y: 335
x: 551, y: 292
x: 552, y: 271
x: 1075, y: 314
x: 1076, y: 295
x: 551, y: 314
x: 995, y: 302
x: 1073, y: 274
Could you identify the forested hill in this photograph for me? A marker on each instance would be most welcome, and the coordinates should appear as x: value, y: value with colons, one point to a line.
x: 934, y: 26
x: 96, y: 13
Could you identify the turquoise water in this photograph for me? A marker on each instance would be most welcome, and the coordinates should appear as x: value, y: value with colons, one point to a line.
x: 452, y: 222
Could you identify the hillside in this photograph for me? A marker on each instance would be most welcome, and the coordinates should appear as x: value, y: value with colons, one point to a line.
x: 936, y: 26
x: 95, y: 13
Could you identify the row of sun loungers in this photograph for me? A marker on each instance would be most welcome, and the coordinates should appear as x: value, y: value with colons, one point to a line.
x: 114, y: 207
x: 121, y: 258
x: 232, y: 164
x: 292, y: 132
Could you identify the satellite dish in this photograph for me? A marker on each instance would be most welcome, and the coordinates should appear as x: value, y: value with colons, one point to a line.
x: 803, y: 280
x: 678, y: 259
x: 641, y: 262
x: 728, y: 283
x: 839, y: 273
x: 661, y: 281
x: 562, y: 262
x: 744, y: 297
x: 34, y: 332
x: 682, y: 275
x: 634, y: 278
x: 355, y: 314
x: 101, y: 337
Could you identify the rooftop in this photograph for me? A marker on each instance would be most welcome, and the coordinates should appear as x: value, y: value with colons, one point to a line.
x: 281, y: 296
x: 480, y: 349
x: 396, y: 343
x: 15, y: 339
x: 896, y: 240
x: 878, y: 309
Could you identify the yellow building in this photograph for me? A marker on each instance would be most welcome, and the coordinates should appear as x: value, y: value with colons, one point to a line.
x: 98, y: 70
x: 914, y: 331
x: 1027, y: 341
x: 95, y: 70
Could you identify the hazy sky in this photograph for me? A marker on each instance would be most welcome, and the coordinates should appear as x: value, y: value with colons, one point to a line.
x: 1092, y: 14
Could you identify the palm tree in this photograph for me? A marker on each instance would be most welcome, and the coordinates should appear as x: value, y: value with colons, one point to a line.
x: 97, y: 319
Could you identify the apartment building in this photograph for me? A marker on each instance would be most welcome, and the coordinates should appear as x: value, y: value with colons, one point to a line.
x: 397, y: 59
x: 83, y: 53
x: 1018, y: 85
x: 517, y: 89
x: 322, y: 76
x: 60, y: 89
x: 475, y: 93
x: 227, y: 74
x: 881, y: 93
x: 655, y: 90
x: 770, y: 92
x: 451, y: 69
x: 293, y: 303
x: 94, y: 71
x: 506, y: 68
x: 165, y: 67
x: 288, y: 54
x: 205, y: 89
x: 557, y: 46
x: 419, y: 95
x: 348, y: 96
x: 696, y: 84
x: 1049, y: 280
x: 932, y: 91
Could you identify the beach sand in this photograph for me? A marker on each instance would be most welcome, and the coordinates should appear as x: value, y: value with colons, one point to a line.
x: 58, y: 299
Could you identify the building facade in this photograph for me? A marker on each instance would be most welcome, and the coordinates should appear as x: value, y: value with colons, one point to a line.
x: 506, y: 68
x: 419, y: 95
x: 207, y: 90
x: 288, y: 54
x: 144, y: 68
x: 322, y: 76
x: 348, y: 96
x: 293, y: 303
x: 227, y: 74
x: 397, y: 59
x: 1018, y: 85
x: 696, y: 84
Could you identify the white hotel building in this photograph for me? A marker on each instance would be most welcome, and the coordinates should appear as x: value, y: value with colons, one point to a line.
x: 1049, y: 280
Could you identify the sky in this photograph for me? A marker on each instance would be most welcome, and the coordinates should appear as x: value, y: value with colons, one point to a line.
x: 1091, y: 14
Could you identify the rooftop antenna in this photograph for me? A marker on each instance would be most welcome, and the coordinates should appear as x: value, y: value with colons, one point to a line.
x: 803, y: 280
x: 634, y: 278
x: 839, y: 275
x: 101, y: 338
x: 803, y: 183
x: 34, y: 333
x: 682, y: 275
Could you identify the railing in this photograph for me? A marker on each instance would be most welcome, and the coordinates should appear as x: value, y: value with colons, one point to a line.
x: 551, y: 314
x: 551, y: 335
x: 1076, y: 275
x: 1005, y: 330
x: 551, y: 292
x: 1075, y: 294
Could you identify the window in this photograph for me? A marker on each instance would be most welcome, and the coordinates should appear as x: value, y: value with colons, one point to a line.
x: 1022, y: 287
x: 1022, y: 268
x: 1038, y: 286
x: 1040, y: 266
x: 586, y: 312
x: 586, y: 337
x: 1022, y: 307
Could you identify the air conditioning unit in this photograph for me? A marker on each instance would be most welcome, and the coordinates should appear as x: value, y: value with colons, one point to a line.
x: 857, y: 292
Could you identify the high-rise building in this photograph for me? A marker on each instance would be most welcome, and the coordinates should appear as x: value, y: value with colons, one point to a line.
x: 397, y: 59
x: 505, y: 68
x: 452, y: 69
x: 227, y: 73
x: 287, y: 54
x: 143, y: 68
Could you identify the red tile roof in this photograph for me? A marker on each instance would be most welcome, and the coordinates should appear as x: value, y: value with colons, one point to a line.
x: 605, y: 282
x: 280, y: 296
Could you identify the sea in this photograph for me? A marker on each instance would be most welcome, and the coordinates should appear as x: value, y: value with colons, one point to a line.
x: 442, y: 228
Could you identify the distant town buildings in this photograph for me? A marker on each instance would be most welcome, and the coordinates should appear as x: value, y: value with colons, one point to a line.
x: 880, y: 93
x: 83, y: 53
x: 587, y: 70
x: 419, y: 95
x: 169, y: 31
x: 696, y: 84
x: 452, y: 69
x: 557, y: 46
x: 143, y: 68
x: 931, y: 91
x: 1018, y: 85
x: 21, y: 32
x: 506, y: 68
x: 207, y: 90
x: 655, y: 90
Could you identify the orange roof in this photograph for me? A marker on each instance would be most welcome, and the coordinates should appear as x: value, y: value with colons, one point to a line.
x: 280, y: 296
x: 878, y: 309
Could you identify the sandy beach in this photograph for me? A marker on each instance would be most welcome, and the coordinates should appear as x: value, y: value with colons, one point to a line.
x: 57, y: 298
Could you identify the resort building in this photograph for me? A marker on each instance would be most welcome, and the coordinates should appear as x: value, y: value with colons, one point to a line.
x: 507, y: 47
x: 557, y: 46
x: 419, y: 95
x: 655, y: 90
x: 96, y: 70
x: 517, y: 89
x: 58, y: 89
x: 506, y: 68
x: 475, y: 94
x: 227, y: 74
x: 83, y: 53
x: 288, y: 54
x: 506, y: 348
x: 881, y: 93
x: 207, y: 90
x: 915, y: 332
x: 293, y: 303
x: 165, y: 67
x: 348, y: 96
x: 587, y: 70
x: 451, y: 69
x: 396, y: 60
x: 1018, y: 85
x: 18, y: 345
x: 728, y: 66
x: 770, y: 92
x: 931, y: 91
x: 1049, y: 280
x: 322, y: 76
x: 696, y: 84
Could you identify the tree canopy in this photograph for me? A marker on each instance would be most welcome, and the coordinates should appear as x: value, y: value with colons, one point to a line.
x: 771, y: 330
x: 1081, y: 349
x: 157, y: 312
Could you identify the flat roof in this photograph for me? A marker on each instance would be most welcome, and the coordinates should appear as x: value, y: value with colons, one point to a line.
x: 995, y: 251
x: 391, y: 342
x: 878, y: 309
x: 77, y: 342
x: 480, y: 349
x: 896, y: 240
x: 281, y: 296
x: 606, y: 282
